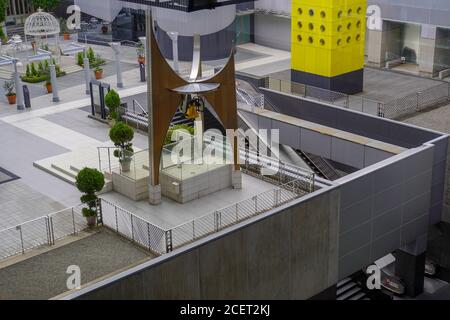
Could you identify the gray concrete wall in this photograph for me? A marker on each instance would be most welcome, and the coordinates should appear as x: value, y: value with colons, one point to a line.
x: 393, y: 132
x: 272, y: 31
x: 330, y: 147
x: 355, y: 122
x: 291, y: 254
x: 383, y: 208
x: 434, y: 12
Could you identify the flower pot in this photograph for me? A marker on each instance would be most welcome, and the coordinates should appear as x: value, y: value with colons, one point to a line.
x: 141, y: 60
x: 125, y: 164
x: 49, y: 88
x: 11, y: 99
x: 98, y: 75
x: 66, y: 36
x: 91, y: 221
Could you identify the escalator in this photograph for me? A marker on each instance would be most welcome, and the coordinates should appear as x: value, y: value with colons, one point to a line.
x: 319, y: 165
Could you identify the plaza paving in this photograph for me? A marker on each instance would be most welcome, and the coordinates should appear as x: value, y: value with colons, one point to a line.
x: 44, y: 276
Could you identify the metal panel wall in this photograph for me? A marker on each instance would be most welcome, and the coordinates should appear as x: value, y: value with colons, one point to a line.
x: 384, y: 207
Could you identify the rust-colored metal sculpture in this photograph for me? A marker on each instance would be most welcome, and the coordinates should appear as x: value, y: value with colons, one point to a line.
x: 166, y: 101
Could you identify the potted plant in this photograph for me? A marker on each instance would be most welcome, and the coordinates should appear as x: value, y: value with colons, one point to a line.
x: 9, y: 87
x: 90, y: 181
x: 140, y: 50
x: 48, y: 84
x: 122, y: 135
x: 64, y: 29
x: 112, y: 101
x: 98, y: 73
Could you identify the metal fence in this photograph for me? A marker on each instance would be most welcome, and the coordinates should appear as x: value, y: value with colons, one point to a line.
x: 357, y: 103
x: 395, y: 109
x: 41, y: 231
x: 416, y: 102
x: 134, y: 228
x: 233, y: 214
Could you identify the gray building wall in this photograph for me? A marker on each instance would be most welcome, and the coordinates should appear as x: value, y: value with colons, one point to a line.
x: 434, y: 12
x: 388, y: 131
x: 272, y: 31
x: 290, y: 254
x: 384, y: 208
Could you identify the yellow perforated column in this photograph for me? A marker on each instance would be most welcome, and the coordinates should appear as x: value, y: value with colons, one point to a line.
x: 328, y: 43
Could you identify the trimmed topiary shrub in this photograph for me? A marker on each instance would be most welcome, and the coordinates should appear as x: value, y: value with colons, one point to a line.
x: 90, y: 181
x: 122, y: 135
x: 112, y: 101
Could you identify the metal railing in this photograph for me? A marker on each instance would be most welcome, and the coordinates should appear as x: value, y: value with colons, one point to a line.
x: 339, y: 99
x: 135, y: 228
x: 41, y: 231
x: 416, y: 102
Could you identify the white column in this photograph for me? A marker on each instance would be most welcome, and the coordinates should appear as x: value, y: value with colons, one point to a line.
x: 87, y: 73
x: 54, y: 82
x: 116, y: 49
x: 19, y: 89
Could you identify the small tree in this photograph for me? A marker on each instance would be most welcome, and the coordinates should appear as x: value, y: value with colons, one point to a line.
x: 80, y: 59
x: 90, y: 181
x: 122, y: 135
x: 112, y: 101
x: 33, y: 70
x: 28, y: 73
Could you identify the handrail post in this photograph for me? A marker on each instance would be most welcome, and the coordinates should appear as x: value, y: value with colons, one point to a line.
x: 99, y: 160
x: 117, y: 221
x: 73, y: 222
x: 21, y: 238
x: 132, y: 227
x: 148, y: 235
x: 169, y: 245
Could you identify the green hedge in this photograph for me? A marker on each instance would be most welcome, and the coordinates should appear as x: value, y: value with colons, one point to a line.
x: 40, y: 78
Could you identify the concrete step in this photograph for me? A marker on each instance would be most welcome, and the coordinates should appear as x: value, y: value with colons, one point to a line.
x: 6, y: 74
x: 343, y: 282
x: 348, y: 286
x: 350, y: 293
x: 72, y: 69
x: 65, y: 169
x: 56, y: 173
x: 359, y: 296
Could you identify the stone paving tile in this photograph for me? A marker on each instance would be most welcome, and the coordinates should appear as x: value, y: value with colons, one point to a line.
x: 44, y: 276
x: 20, y: 203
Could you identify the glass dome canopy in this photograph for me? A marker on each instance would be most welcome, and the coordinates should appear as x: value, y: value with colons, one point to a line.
x: 41, y: 24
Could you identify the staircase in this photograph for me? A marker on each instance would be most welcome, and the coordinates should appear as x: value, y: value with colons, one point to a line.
x: 6, y: 74
x: 138, y: 117
x: 71, y: 69
x: 320, y: 166
x: 68, y: 173
x: 347, y: 289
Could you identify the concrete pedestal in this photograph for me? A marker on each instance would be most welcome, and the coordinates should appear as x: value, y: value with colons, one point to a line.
x: 236, y: 179
x: 154, y: 194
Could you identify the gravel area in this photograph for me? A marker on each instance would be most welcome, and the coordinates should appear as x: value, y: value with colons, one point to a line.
x: 44, y: 276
